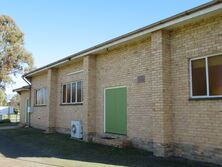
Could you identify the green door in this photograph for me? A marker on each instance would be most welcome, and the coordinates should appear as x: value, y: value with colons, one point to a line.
x: 116, y: 110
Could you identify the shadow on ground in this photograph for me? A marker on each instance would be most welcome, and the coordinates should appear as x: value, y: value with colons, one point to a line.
x: 27, y: 142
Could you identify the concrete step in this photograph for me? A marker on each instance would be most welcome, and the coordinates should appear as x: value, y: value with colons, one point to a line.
x: 114, y: 141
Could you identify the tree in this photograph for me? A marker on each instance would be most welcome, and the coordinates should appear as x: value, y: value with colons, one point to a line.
x: 15, y: 103
x: 14, y: 59
x: 3, y: 101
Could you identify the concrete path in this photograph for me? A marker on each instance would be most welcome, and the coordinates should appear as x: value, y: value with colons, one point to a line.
x: 46, y: 162
x: 9, y: 162
x: 9, y: 127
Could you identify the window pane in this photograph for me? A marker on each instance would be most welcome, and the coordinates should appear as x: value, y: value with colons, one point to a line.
x: 36, y: 97
x: 79, y: 91
x: 199, y: 78
x: 215, y: 75
x: 73, y: 92
x: 41, y: 96
x: 68, y: 93
x: 45, y: 96
x: 64, y: 94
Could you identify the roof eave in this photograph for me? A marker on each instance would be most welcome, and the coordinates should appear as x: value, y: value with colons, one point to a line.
x: 24, y: 88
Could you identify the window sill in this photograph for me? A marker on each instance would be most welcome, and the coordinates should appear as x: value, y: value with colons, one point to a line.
x: 36, y: 105
x: 71, y: 104
x: 204, y: 98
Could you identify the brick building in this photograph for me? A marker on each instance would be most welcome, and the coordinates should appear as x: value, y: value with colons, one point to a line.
x: 159, y: 87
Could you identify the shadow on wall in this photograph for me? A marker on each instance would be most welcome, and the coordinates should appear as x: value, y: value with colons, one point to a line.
x: 32, y: 143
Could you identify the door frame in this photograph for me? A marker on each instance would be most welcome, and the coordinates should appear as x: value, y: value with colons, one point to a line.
x: 104, y: 103
x: 27, y: 105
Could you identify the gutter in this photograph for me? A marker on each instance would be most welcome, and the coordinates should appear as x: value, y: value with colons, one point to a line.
x: 23, y: 77
x: 179, y: 18
x: 30, y: 99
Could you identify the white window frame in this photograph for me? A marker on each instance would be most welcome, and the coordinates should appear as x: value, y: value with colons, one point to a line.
x: 75, y: 82
x: 207, y: 77
x: 75, y: 72
x: 45, y: 99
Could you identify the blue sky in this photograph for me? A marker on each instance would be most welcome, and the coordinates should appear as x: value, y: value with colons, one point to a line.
x: 57, y: 28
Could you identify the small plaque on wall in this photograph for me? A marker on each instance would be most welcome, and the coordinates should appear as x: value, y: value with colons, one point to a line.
x: 141, y: 79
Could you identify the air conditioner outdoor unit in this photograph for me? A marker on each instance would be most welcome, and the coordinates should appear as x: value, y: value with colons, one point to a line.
x: 76, y: 129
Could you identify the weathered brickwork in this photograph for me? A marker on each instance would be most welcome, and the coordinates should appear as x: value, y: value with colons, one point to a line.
x: 52, y: 89
x: 198, y: 152
x: 160, y: 116
x: 161, y: 93
x: 66, y: 113
x: 89, y: 114
x: 39, y: 118
x: 196, y: 123
x: 121, y: 67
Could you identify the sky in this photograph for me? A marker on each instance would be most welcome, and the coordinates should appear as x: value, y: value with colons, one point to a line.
x: 58, y: 28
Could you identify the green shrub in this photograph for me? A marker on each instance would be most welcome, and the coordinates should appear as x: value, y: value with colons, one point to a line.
x: 16, y: 110
x: 5, y: 121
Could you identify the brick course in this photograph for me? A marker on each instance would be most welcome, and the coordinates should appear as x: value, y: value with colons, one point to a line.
x: 160, y: 116
x: 196, y: 123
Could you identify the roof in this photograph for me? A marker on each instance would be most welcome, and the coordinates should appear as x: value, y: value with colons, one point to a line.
x: 201, y: 10
x: 24, y: 88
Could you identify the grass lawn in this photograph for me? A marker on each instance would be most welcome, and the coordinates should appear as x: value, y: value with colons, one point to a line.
x: 8, y: 124
x: 12, y: 117
x: 61, y: 150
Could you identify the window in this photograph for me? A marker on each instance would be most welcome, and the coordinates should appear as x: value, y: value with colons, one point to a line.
x: 41, y: 96
x: 199, y: 77
x: 206, y: 78
x: 72, y: 93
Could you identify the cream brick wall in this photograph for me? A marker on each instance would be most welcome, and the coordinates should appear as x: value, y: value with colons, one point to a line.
x: 89, y: 91
x: 52, y: 101
x: 66, y: 113
x: 121, y: 67
x: 40, y: 116
x: 161, y: 93
x: 159, y: 111
x: 63, y: 113
x: 196, y: 123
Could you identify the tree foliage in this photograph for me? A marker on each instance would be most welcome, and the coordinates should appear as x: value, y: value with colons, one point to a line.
x: 15, y: 103
x: 14, y: 58
x: 3, y: 100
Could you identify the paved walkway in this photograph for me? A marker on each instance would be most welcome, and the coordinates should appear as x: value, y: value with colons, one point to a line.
x: 46, y: 162
x: 9, y: 127
x: 9, y: 162
x: 41, y: 162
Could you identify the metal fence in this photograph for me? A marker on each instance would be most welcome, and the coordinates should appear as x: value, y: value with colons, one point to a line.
x: 12, y: 117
